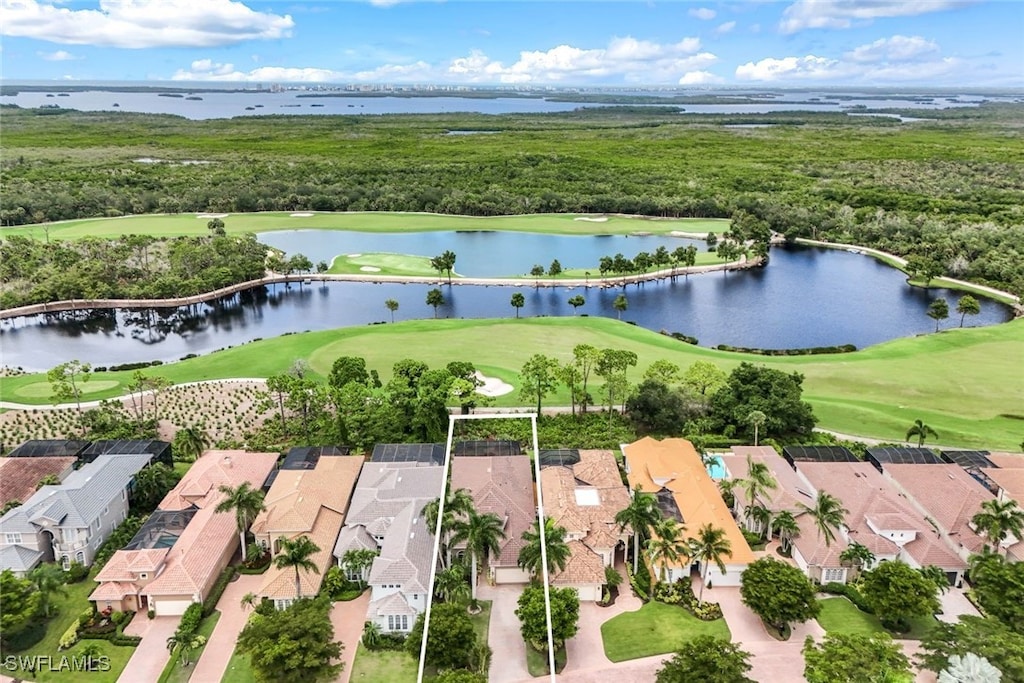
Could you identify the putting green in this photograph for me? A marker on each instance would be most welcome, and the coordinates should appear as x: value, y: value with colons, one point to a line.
x: 44, y: 390
x: 964, y: 383
x: 380, y: 263
x: 169, y: 225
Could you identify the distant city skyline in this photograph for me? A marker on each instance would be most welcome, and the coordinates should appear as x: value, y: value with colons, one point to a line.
x: 794, y: 43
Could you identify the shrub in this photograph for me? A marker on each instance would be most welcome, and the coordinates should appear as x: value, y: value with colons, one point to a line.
x: 76, y: 572
x: 850, y: 592
x: 388, y: 641
x: 151, y: 614
x: 124, y: 641
x: 190, y: 619
x: 69, y: 638
x: 85, y: 617
x: 639, y: 581
x: 210, y: 604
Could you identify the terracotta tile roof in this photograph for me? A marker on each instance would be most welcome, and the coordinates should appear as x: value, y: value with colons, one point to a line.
x: 1005, y: 460
x: 948, y: 494
x: 306, y: 503
x: 19, y: 477
x: 502, y: 485
x: 583, y: 567
x: 675, y: 465
x: 113, y: 590
x: 791, y: 490
x: 1009, y: 480
x: 125, y: 565
x: 215, y: 469
x: 867, y: 494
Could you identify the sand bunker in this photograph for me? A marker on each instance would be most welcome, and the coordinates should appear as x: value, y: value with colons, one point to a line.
x: 211, y: 215
x: 493, y: 386
x: 354, y: 255
x: 370, y: 269
x: 302, y: 214
x: 592, y: 219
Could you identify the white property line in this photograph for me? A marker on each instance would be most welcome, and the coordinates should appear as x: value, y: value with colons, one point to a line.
x: 440, y: 517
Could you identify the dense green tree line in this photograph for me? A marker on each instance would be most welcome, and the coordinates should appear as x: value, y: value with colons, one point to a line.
x: 949, y: 191
x: 131, y: 267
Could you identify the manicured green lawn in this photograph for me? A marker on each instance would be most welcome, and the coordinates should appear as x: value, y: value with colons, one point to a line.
x: 963, y: 383
x: 239, y: 670
x: 839, y: 615
x: 654, y: 629
x: 67, y: 609
x: 538, y: 665
x: 383, y: 264
x: 383, y: 667
x: 482, y: 621
x: 174, y: 672
x: 372, y: 221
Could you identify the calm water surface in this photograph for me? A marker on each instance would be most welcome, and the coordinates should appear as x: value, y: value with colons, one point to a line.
x: 805, y: 297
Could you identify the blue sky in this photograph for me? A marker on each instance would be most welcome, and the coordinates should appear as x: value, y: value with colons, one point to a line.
x: 787, y: 43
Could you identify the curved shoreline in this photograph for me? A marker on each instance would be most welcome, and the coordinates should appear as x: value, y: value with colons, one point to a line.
x: 373, y: 278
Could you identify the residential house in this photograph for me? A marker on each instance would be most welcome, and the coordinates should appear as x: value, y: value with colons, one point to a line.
x: 20, y: 477
x: 159, y: 451
x: 501, y: 485
x: 674, y: 473
x: 879, y: 518
x: 50, y: 448
x: 385, y: 515
x: 304, y: 502
x: 69, y: 521
x: 175, y: 558
x: 790, y: 491
x: 584, y: 497
x: 1008, y: 477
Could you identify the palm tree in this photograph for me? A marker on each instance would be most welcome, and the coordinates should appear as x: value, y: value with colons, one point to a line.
x: 457, y: 505
x: 786, y: 527
x: 666, y: 546
x: 761, y: 516
x: 518, y: 301
x: 828, y: 514
x: 759, y: 481
x: 620, y: 304
x: 435, y: 298
x: 757, y: 419
x: 371, y: 634
x: 391, y: 305
x: 482, y: 534
x: 49, y: 579
x: 249, y: 600
x: 998, y: 520
x: 857, y: 556
x: 185, y: 643
x: 190, y: 442
x: 358, y: 561
x: 936, y: 575
x: 246, y: 502
x: 450, y: 584
x: 921, y: 431
x: 554, y: 542
x: 710, y: 545
x: 296, y: 553
x: 640, y: 516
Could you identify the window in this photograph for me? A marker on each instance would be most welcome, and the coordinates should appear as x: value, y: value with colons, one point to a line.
x: 65, y: 562
x: 398, y: 622
x: 834, y: 575
x: 352, y: 575
x: 143, y: 575
x: 80, y: 557
x: 13, y: 539
x: 106, y: 510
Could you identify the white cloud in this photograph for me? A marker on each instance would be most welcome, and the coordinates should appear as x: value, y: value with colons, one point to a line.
x: 787, y: 68
x: 896, y: 48
x: 703, y: 13
x: 699, y: 78
x: 725, y: 28
x: 58, y: 56
x: 208, y: 70
x: 143, y: 23
x: 804, y: 14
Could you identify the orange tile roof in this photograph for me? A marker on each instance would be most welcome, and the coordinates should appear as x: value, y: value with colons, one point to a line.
x: 502, y: 485
x: 583, y: 566
x: 125, y: 565
x: 113, y: 590
x: 215, y: 469
x: 280, y: 583
x: 674, y: 464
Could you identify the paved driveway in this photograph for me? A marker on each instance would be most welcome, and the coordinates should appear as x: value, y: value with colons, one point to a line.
x: 508, y: 663
x: 151, y: 656
x: 954, y: 604
x: 217, y: 653
x: 585, y: 652
x: 348, y: 619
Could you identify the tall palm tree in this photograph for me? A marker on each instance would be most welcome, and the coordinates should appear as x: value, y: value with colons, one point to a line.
x: 482, y: 534
x: 710, y: 545
x: 921, y: 431
x: 49, y: 580
x: 828, y: 514
x: 665, y: 547
x: 249, y: 600
x: 391, y: 305
x: 185, y: 644
x: 757, y: 419
x: 759, y: 480
x: 998, y: 520
x: 857, y: 556
x: 761, y: 516
x: 190, y: 442
x: 246, y: 502
x: 554, y: 541
x: 457, y: 506
x: 641, y: 514
x: 296, y: 553
x: 451, y: 585
x: 784, y: 524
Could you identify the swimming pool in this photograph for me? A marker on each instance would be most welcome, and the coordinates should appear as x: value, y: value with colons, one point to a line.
x: 716, y: 468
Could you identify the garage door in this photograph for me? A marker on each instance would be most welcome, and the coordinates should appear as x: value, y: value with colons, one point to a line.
x: 169, y: 608
x: 510, y: 575
x: 589, y: 593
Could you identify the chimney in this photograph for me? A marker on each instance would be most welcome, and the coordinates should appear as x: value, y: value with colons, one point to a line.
x: 227, y: 461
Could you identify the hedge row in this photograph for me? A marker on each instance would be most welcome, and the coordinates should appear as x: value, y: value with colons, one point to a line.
x: 210, y: 604
x: 850, y: 592
x: 811, y: 351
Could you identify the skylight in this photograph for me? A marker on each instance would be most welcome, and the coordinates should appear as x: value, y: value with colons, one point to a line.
x: 587, y: 496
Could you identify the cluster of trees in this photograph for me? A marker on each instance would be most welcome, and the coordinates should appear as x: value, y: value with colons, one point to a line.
x: 355, y: 407
x: 661, y: 259
x: 292, y: 644
x: 28, y: 603
x: 959, y: 206
x: 938, y: 309
x: 131, y: 267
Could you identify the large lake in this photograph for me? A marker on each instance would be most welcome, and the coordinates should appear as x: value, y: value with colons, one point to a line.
x: 805, y: 297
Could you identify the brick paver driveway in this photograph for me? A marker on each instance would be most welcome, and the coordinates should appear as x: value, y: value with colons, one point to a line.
x: 151, y: 656
x: 348, y: 619
x: 508, y: 662
x: 217, y: 653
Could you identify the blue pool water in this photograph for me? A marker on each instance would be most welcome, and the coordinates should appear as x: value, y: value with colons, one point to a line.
x: 716, y: 469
